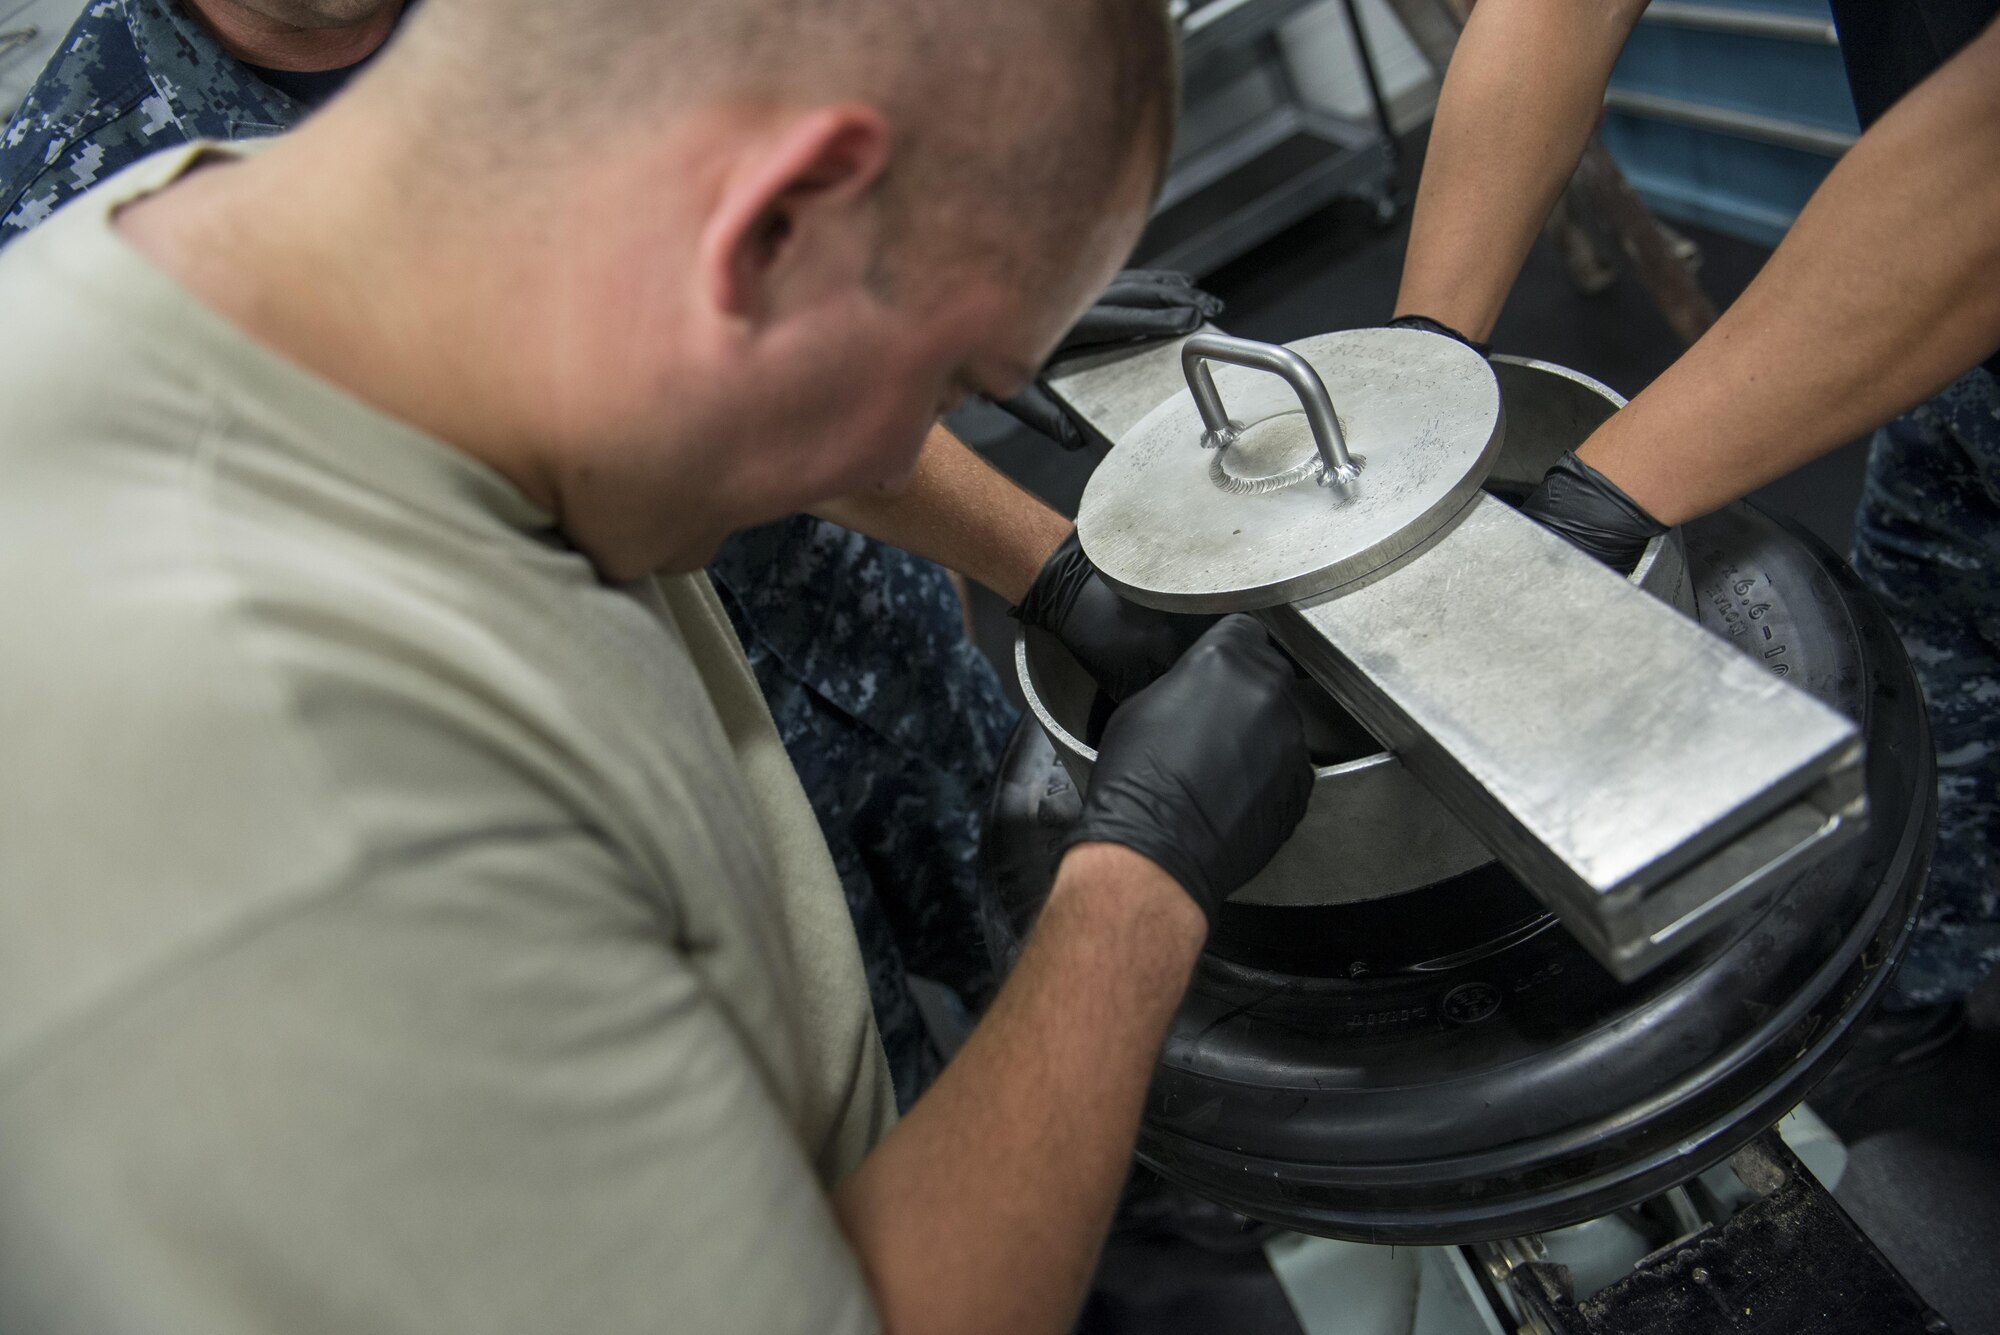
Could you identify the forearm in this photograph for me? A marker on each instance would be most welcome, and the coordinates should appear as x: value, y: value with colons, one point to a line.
x: 1518, y: 104
x: 984, y: 1210
x: 963, y: 513
x: 1883, y: 293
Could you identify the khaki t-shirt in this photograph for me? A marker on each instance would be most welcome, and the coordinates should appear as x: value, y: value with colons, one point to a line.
x: 400, y: 929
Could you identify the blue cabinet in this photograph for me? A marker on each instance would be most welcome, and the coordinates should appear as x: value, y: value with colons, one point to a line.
x: 1730, y: 114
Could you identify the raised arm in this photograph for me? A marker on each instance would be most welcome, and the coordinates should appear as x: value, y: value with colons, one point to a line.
x: 966, y: 515
x: 963, y: 513
x: 1519, y: 101
x: 1886, y: 289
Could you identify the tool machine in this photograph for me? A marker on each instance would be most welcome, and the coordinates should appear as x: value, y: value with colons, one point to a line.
x: 1598, y: 876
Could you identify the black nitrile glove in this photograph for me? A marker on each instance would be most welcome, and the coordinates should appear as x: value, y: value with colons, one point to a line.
x: 1141, y: 305
x: 1581, y: 504
x: 1038, y: 408
x: 1430, y: 326
x: 1204, y: 772
x: 1121, y: 644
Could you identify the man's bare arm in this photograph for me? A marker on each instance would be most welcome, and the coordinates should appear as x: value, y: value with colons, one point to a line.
x: 963, y: 513
x: 982, y: 1213
x: 984, y: 1209
x: 1884, y: 292
x: 1519, y: 102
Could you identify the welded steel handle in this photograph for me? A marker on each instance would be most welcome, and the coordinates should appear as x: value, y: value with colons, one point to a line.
x: 1297, y: 372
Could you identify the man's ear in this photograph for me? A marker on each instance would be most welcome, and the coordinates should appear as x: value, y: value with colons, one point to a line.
x: 823, y: 161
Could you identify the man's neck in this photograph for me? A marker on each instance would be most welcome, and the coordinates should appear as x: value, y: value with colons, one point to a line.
x: 258, y: 39
x: 329, y: 279
x: 440, y: 310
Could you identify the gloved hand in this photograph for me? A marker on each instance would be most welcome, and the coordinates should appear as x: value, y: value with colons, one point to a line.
x: 1204, y: 772
x: 1139, y: 306
x: 1430, y: 326
x: 1121, y: 644
x: 1581, y: 504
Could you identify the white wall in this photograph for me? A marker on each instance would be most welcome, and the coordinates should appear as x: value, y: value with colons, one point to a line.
x: 1323, y: 62
x: 1328, y: 71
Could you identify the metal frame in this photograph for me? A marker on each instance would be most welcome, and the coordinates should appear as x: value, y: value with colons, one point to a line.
x: 1723, y: 120
x: 1790, y: 1260
x: 1747, y: 783
x: 1746, y: 22
x: 1217, y: 204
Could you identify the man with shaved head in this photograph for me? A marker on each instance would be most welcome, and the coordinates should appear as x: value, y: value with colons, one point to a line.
x: 893, y: 718
x: 409, y: 920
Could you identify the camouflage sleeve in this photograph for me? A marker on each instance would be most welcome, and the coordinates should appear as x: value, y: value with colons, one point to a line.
x: 1927, y: 543
x: 94, y: 111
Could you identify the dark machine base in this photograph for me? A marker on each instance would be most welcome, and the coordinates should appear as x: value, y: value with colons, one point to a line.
x: 1791, y: 1260
x: 1448, y: 1066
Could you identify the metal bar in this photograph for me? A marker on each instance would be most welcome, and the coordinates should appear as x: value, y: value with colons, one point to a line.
x: 1748, y: 22
x: 1211, y: 166
x: 1217, y: 27
x: 1220, y: 223
x: 1642, y: 777
x: 1209, y: 15
x: 1359, y: 32
x: 1223, y: 22
x: 1723, y: 120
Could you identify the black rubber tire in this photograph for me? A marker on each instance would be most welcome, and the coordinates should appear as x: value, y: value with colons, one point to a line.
x: 1448, y: 1065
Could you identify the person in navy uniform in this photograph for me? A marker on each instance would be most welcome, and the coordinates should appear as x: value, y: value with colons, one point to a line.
x: 1881, y: 306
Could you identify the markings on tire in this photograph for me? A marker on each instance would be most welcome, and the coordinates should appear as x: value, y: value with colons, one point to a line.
x: 1469, y: 1003
x: 1742, y: 610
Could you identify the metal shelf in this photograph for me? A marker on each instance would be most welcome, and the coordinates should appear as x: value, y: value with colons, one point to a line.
x: 1278, y: 166
x: 1746, y: 22
x: 1287, y: 166
x: 1723, y: 120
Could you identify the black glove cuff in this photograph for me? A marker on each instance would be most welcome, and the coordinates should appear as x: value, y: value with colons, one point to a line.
x: 1056, y: 589
x: 1430, y: 326
x: 1586, y: 507
x: 1101, y: 826
x: 1140, y: 305
x: 1037, y: 408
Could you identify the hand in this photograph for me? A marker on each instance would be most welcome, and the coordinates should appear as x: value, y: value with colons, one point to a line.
x: 1578, y: 503
x: 1205, y: 772
x: 1121, y: 644
x: 1141, y: 305
x: 1430, y: 326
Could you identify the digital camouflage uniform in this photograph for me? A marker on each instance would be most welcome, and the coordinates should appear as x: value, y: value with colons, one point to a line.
x: 1927, y: 541
x: 894, y: 720
x: 132, y: 77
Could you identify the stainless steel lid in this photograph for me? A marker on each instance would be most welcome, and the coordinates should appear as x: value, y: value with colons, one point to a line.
x: 1292, y: 471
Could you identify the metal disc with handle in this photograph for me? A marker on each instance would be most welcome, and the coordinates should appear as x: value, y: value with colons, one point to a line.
x: 1292, y: 470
